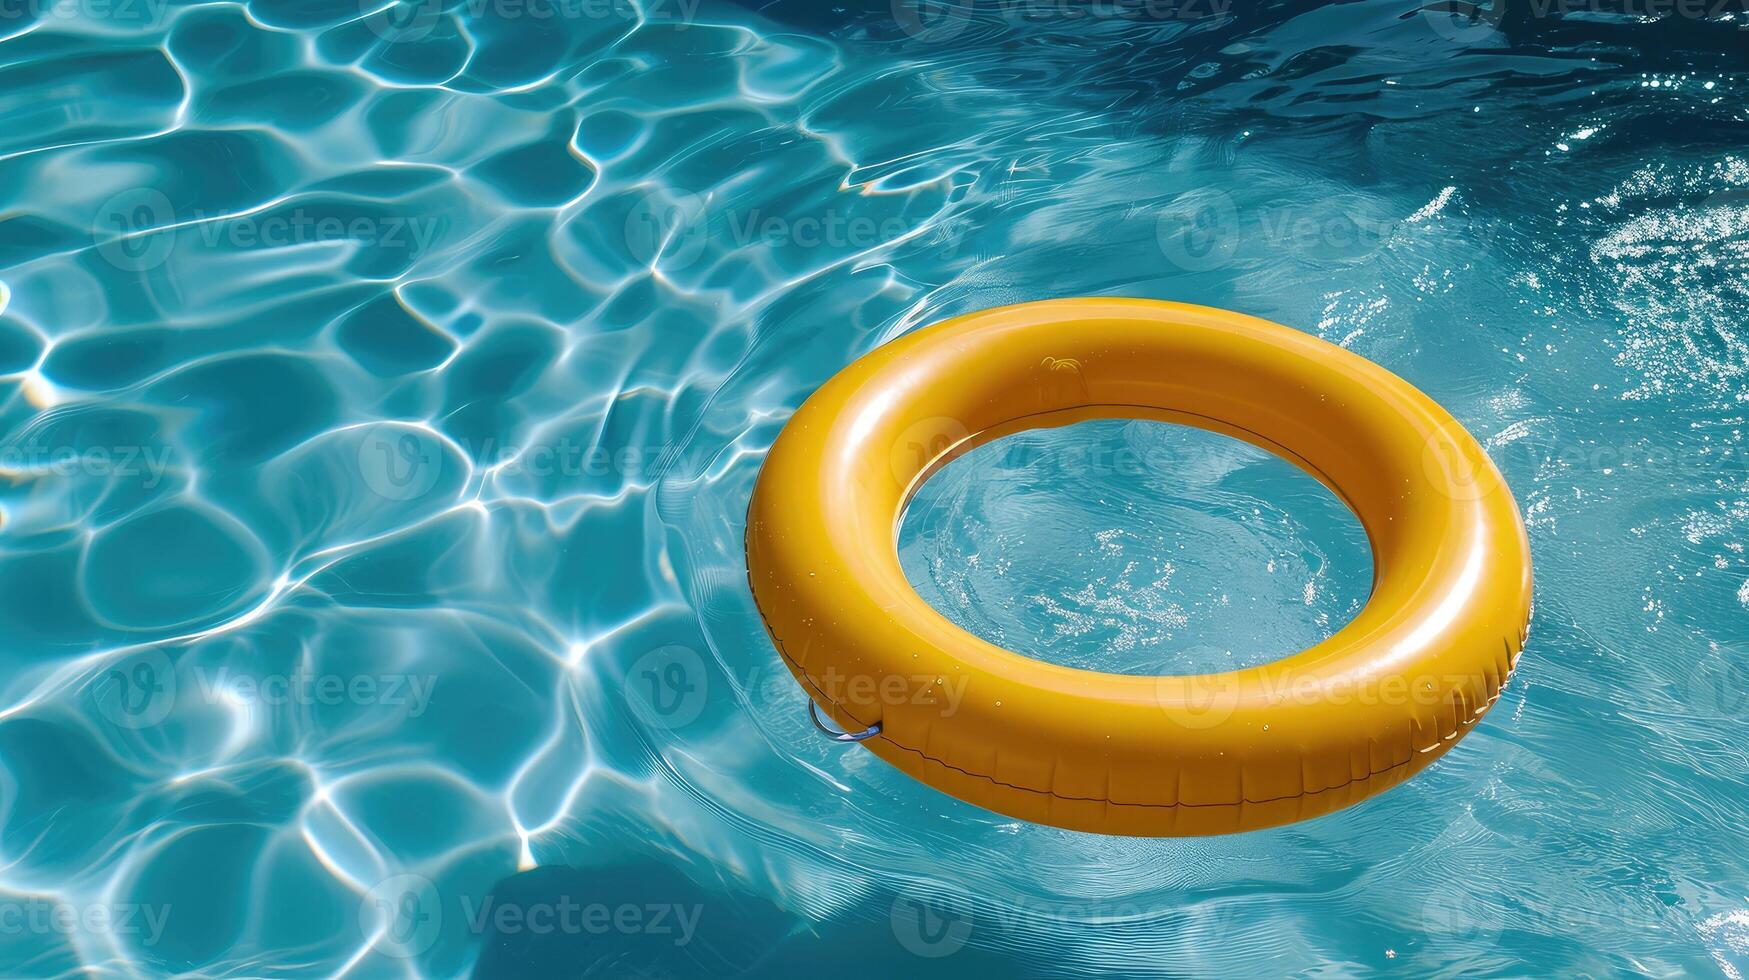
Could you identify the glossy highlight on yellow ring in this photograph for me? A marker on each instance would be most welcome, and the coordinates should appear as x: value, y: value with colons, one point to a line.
x: 1123, y: 754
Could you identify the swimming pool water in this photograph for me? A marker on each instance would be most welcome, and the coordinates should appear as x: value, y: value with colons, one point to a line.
x: 384, y: 386
x: 1158, y: 521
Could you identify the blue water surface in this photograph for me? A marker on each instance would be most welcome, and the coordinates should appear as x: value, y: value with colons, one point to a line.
x: 382, y: 386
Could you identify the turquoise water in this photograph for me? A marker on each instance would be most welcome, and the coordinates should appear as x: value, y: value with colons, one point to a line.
x: 383, y: 390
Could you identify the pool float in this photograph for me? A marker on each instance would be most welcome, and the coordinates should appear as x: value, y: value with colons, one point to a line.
x: 1123, y: 754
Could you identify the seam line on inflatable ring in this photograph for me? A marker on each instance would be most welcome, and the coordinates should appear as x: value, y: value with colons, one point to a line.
x: 802, y: 673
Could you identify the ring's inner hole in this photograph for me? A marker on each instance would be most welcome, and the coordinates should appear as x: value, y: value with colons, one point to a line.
x: 1136, y: 547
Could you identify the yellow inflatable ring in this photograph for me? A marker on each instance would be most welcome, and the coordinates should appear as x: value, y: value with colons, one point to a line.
x: 1122, y: 754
